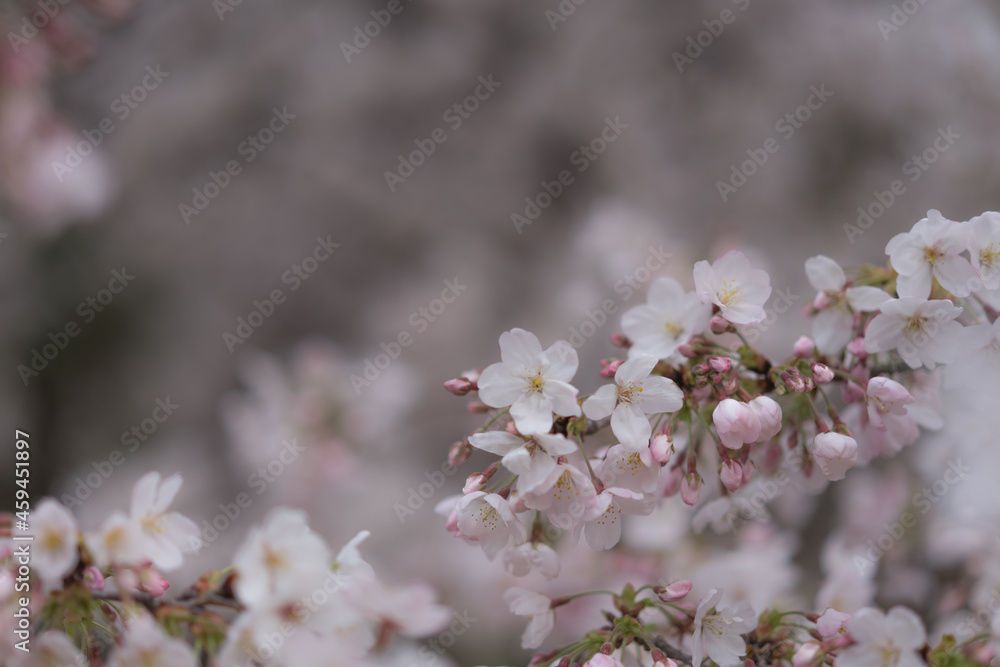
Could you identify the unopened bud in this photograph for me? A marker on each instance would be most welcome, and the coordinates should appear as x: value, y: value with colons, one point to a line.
x: 475, y: 407
x: 687, y: 350
x: 719, y: 324
x: 675, y: 591
x: 475, y: 482
x: 459, y: 386
x: 822, y: 373
x: 720, y: 364
x: 93, y: 578
x: 610, y: 367
x: 731, y: 474
x: 803, y: 347
x: 459, y: 453
x: 700, y: 368
x: 821, y: 301
x: 620, y: 340
x: 690, y: 488
x: 661, y: 448
x: 857, y: 348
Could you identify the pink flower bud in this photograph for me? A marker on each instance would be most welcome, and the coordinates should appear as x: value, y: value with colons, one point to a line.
x: 459, y: 386
x: 155, y: 585
x: 768, y: 413
x: 835, y: 453
x: 748, y: 470
x: 475, y: 407
x: 611, y: 368
x: 511, y: 427
x: 719, y: 324
x: 620, y: 340
x: 475, y: 482
x: 821, y: 301
x: 822, y: 373
x: 857, y: 348
x: 700, y: 368
x: 720, y: 364
x: 687, y: 350
x: 661, y: 448
x: 731, y: 474
x: 459, y: 453
x: 690, y: 488
x: 804, y: 347
x: 93, y: 578
x: 736, y: 423
x: 675, y: 591
x: 808, y: 655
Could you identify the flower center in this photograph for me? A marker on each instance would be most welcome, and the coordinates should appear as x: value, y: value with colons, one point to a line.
x: 890, y: 655
x: 536, y: 383
x: 933, y: 253
x: 626, y: 393
x: 730, y: 294
x: 715, y: 623
x: 916, y: 325
x: 52, y: 540
x: 273, y: 560
x: 152, y: 523
x: 988, y: 258
x: 673, y: 329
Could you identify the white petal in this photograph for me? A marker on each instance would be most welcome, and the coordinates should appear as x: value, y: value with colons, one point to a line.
x: 659, y: 394
x: 602, y: 402
x: 906, y: 628
x: 499, y: 386
x: 144, y: 494
x: 520, y: 349
x: 532, y: 413
x: 635, y: 369
x: 562, y: 397
x: 866, y: 299
x: 631, y: 426
x: 560, y: 361
x: 495, y: 442
x: 825, y: 274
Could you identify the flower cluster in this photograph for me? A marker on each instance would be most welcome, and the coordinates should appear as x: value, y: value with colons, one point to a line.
x: 695, y: 411
x: 666, y: 631
x: 286, y: 600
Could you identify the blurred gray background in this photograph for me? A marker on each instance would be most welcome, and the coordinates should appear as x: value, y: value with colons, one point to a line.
x: 324, y: 175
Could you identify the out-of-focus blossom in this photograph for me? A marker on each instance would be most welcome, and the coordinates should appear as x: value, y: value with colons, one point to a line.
x: 717, y: 632
x: 538, y: 609
x: 55, y: 552
x: 884, y: 640
x: 669, y: 317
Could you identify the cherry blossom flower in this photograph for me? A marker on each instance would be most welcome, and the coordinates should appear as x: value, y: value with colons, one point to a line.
x: 931, y: 250
x: 521, y: 559
x: 886, y: 396
x: 605, y: 531
x: 567, y: 496
x: 884, y: 640
x: 628, y: 469
x: 55, y: 553
x: 411, y: 610
x: 532, y: 382
x: 50, y: 649
x: 531, y: 459
x: 736, y: 423
x: 980, y: 355
x: 146, y: 644
x: 487, y: 518
x: 669, y: 317
x: 836, y: 454
x: 602, y: 660
x: 833, y: 325
x: 349, y: 564
x: 165, y: 535
x: 732, y: 284
x: 832, y: 623
x: 116, y: 542
x: 634, y: 395
x: 924, y: 333
x: 538, y: 608
x: 280, y: 560
x: 984, y: 247
x: 717, y: 632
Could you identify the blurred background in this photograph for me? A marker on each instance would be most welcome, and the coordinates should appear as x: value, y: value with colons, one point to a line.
x: 216, y: 215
